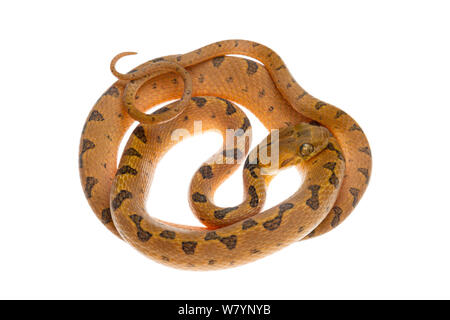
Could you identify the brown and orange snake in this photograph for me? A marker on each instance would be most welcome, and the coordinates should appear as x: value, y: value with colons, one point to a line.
x: 323, y: 142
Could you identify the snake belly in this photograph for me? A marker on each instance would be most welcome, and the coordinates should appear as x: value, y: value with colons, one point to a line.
x: 272, y: 94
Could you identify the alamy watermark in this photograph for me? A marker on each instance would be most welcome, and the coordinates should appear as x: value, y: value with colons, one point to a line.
x: 266, y: 154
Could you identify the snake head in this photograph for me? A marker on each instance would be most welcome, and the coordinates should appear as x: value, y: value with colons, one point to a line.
x: 291, y: 145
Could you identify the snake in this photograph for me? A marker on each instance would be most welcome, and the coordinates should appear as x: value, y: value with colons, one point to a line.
x: 324, y: 143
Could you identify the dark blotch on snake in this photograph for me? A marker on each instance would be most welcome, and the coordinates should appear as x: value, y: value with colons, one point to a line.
x: 90, y: 183
x: 274, y: 223
x: 319, y: 105
x: 136, y: 219
x: 301, y: 95
x: 333, y: 178
x: 167, y: 234
x: 254, y: 200
x: 199, y: 101
x: 106, y: 216
x: 245, y: 125
x: 365, y: 150
x: 189, y: 247
x: 230, y: 241
x: 330, y: 166
x: 220, y: 214
x: 251, y: 167
x: 144, y: 235
x: 230, y: 108
x: 217, y: 61
x: 132, y: 153
x: 331, y: 147
x: 247, y: 224
x: 284, y: 207
x: 87, y: 144
x: 96, y: 116
x: 252, y: 67
x: 355, y: 193
x: 161, y: 110
x: 120, y: 197
x: 355, y: 127
x: 313, y: 202
x: 198, y: 197
x: 339, y: 113
x: 126, y: 170
x: 112, y: 91
x: 337, y: 211
x: 211, y: 236
x: 141, y: 233
x: 206, y: 172
x: 139, y: 132
x: 365, y: 173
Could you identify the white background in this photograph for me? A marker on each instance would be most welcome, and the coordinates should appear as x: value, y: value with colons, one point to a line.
x: 384, y: 62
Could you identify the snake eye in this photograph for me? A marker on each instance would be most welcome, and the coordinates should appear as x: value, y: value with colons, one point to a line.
x: 306, y: 149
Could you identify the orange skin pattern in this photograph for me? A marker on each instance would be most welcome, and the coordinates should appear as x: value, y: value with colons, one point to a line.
x: 271, y: 93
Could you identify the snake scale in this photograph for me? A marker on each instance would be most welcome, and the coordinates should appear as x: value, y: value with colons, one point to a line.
x: 326, y: 145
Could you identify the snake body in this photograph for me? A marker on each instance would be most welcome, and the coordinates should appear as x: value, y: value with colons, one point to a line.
x: 336, y: 172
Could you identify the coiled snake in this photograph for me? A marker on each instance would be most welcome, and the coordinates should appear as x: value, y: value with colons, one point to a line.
x: 323, y: 142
